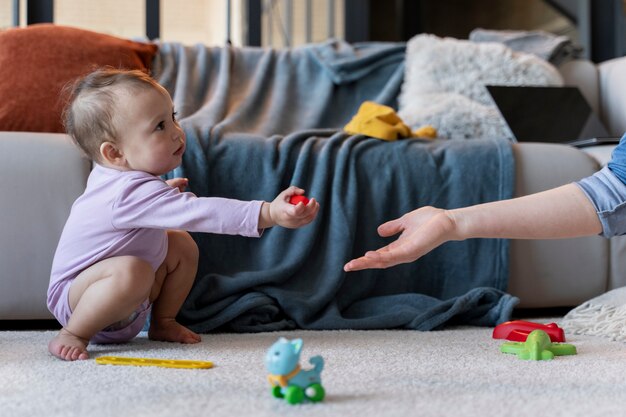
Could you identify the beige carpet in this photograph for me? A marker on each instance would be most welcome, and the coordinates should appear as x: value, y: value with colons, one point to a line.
x: 457, y: 372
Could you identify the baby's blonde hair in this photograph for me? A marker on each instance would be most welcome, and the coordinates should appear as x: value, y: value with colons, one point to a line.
x: 89, y: 114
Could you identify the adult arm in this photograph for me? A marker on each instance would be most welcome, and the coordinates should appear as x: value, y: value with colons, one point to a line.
x: 561, y: 212
x: 595, y: 204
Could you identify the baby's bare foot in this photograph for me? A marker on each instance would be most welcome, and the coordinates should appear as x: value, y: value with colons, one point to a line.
x: 171, y: 331
x: 68, y: 346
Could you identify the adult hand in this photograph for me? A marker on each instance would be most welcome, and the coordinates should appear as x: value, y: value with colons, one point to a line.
x: 420, y: 230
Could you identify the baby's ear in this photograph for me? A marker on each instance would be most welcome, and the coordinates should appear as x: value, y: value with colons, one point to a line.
x: 111, y: 154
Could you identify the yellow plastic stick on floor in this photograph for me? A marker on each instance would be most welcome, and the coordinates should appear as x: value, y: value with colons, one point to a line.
x: 163, y: 363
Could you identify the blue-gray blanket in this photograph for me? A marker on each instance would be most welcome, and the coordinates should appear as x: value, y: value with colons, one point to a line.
x: 258, y: 120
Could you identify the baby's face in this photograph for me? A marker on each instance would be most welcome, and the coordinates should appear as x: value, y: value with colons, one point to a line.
x: 151, y: 139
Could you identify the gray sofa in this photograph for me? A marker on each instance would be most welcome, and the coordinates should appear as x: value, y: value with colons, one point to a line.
x: 42, y: 174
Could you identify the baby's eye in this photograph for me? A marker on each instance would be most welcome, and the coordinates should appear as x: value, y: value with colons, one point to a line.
x: 160, y: 126
x: 174, y: 116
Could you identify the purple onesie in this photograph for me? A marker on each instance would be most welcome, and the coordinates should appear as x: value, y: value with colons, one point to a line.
x: 127, y: 213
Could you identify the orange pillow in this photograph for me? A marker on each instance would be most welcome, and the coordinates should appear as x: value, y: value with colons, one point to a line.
x: 39, y: 60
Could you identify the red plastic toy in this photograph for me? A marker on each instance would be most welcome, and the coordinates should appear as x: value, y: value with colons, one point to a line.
x: 295, y: 199
x: 518, y: 331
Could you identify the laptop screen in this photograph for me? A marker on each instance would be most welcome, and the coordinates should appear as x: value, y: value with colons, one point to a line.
x: 546, y: 114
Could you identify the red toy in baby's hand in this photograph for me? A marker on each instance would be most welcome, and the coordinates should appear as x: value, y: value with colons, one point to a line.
x: 295, y: 199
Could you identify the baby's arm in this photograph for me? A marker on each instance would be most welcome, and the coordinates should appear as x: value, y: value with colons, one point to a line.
x: 557, y: 213
x: 281, y: 212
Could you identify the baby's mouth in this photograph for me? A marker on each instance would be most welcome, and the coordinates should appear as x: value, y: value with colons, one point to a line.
x: 180, y: 150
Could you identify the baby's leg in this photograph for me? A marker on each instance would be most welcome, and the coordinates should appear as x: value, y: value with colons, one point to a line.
x: 104, y: 293
x: 173, y: 282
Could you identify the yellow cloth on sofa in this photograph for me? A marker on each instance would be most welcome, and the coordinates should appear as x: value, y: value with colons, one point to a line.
x: 382, y: 122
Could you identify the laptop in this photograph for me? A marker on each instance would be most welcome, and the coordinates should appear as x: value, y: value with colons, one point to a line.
x: 549, y: 114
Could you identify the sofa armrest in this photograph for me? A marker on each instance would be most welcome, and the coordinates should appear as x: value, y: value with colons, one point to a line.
x: 617, y: 275
x: 601, y: 153
x: 612, y: 97
x: 563, y: 272
x: 42, y: 174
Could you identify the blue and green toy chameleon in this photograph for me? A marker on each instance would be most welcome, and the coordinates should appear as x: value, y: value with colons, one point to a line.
x: 288, y: 379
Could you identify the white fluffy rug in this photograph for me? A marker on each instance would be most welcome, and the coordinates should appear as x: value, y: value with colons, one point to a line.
x: 603, y: 316
x: 457, y: 372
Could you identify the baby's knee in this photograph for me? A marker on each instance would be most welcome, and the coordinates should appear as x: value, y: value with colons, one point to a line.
x: 135, y: 276
x: 184, y: 245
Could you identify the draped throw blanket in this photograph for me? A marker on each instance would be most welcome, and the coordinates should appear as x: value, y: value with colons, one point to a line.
x: 258, y: 120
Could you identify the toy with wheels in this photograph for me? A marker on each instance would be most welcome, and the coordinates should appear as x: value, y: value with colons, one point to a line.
x: 288, y: 379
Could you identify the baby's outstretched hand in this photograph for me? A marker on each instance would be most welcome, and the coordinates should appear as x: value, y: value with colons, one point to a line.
x: 285, y: 214
x: 180, y: 183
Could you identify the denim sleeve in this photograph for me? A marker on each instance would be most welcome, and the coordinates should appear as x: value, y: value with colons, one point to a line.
x: 606, y: 190
x: 607, y: 193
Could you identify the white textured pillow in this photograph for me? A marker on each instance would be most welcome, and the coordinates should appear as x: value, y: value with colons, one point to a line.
x: 444, y: 84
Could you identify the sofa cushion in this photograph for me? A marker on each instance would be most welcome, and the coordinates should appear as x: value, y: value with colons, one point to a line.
x: 444, y: 84
x: 39, y: 60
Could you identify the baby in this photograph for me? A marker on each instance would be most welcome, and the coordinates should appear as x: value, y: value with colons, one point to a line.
x: 124, y: 252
